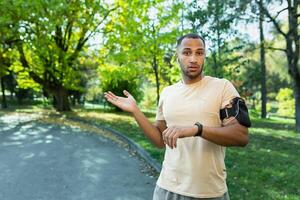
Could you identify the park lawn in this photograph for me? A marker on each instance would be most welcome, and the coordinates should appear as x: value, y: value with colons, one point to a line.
x: 268, y: 168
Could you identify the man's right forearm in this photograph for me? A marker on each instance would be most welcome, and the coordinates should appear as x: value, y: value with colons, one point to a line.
x: 151, y: 131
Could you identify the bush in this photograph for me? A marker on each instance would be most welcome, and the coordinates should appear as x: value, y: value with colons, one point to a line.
x: 286, y: 103
x: 118, y: 78
x: 94, y: 94
x: 149, y: 100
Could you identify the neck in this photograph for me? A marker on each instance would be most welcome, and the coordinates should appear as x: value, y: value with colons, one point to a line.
x: 188, y: 80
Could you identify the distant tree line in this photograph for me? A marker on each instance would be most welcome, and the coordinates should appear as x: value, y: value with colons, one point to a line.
x: 70, y: 51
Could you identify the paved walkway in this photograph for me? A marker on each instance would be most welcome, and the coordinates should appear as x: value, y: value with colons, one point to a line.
x: 45, y: 162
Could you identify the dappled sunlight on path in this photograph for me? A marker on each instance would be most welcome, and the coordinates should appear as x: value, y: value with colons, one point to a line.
x: 46, y: 161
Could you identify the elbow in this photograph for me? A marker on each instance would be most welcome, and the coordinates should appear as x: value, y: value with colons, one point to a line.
x: 244, y: 140
x: 160, y: 146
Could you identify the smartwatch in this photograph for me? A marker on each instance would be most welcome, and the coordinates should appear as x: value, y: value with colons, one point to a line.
x: 200, y: 128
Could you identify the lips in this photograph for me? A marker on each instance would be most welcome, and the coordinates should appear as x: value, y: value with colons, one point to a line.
x: 193, y: 67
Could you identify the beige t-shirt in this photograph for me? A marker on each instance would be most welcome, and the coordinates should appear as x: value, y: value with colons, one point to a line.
x: 196, y: 167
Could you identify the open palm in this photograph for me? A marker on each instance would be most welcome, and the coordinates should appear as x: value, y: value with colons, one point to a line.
x: 127, y: 103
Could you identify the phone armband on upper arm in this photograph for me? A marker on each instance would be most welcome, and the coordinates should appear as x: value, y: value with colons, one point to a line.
x: 237, y: 110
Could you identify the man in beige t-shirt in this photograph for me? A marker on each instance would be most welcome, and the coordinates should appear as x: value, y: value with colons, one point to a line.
x: 189, y: 126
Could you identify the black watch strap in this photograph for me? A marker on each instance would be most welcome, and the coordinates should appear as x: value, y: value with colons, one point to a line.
x: 200, y: 128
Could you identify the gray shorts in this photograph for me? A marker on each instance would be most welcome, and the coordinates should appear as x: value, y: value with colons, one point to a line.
x: 162, y: 194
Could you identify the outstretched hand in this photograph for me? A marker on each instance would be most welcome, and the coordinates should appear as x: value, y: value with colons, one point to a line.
x: 127, y: 103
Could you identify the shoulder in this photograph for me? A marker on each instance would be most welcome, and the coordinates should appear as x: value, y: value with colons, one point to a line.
x: 170, y: 88
x: 217, y: 82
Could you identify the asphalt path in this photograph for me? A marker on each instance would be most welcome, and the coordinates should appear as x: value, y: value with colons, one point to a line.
x: 44, y: 162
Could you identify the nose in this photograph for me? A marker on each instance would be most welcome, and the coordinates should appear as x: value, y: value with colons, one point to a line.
x: 193, y: 58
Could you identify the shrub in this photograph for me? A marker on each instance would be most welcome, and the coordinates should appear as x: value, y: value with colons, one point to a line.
x: 286, y: 103
x: 118, y: 78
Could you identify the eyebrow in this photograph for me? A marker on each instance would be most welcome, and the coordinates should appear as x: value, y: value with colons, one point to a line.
x: 201, y: 49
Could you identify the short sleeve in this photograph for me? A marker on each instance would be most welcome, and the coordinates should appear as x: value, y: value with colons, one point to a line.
x: 229, y: 92
x: 159, y: 112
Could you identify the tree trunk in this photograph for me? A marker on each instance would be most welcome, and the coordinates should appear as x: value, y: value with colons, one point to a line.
x: 61, y: 99
x: 215, y: 64
x: 262, y: 63
x: 297, y: 104
x: 155, y: 68
x: 4, y: 103
x: 292, y: 50
x: 218, y: 57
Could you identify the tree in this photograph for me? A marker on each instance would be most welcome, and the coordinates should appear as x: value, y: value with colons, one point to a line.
x: 50, y: 45
x: 4, y: 71
x: 142, y: 34
x: 262, y: 62
x: 214, y: 22
x: 292, y: 46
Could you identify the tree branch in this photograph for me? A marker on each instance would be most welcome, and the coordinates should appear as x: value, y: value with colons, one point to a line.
x: 25, y: 64
x: 82, y: 40
x: 67, y: 35
x: 276, y: 49
x: 272, y: 19
x: 45, y: 84
x: 278, y: 13
x: 105, y: 16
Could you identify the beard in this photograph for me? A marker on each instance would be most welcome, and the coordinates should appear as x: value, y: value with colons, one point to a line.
x: 190, y: 75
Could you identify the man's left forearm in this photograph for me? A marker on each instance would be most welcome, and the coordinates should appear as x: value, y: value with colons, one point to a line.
x: 230, y: 135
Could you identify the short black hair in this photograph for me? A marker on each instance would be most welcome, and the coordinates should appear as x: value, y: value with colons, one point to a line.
x: 190, y: 35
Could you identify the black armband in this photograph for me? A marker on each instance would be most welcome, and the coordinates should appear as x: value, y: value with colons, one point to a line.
x: 237, y: 110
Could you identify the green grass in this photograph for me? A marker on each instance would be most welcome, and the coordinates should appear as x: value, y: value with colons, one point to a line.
x: 267, y: 169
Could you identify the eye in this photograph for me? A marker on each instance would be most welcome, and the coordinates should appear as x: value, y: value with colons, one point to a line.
x: 199, y: 53
x: 186, y: 53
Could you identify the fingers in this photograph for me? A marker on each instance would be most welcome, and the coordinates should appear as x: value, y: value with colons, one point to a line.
x: 170, y: 136
x: 126, y: 93
x: 111, y: 97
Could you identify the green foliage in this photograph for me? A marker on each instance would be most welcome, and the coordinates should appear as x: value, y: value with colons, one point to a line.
x: 249, y: 77
x: 149, y: 100
x: 51, y: 38
x: 23, y: 79
x: 214, y: 20
x: 118, y: 78
x: 286, y: 103
x: 268, y: 107
x: 144, y: 33
x: 93, y: 94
